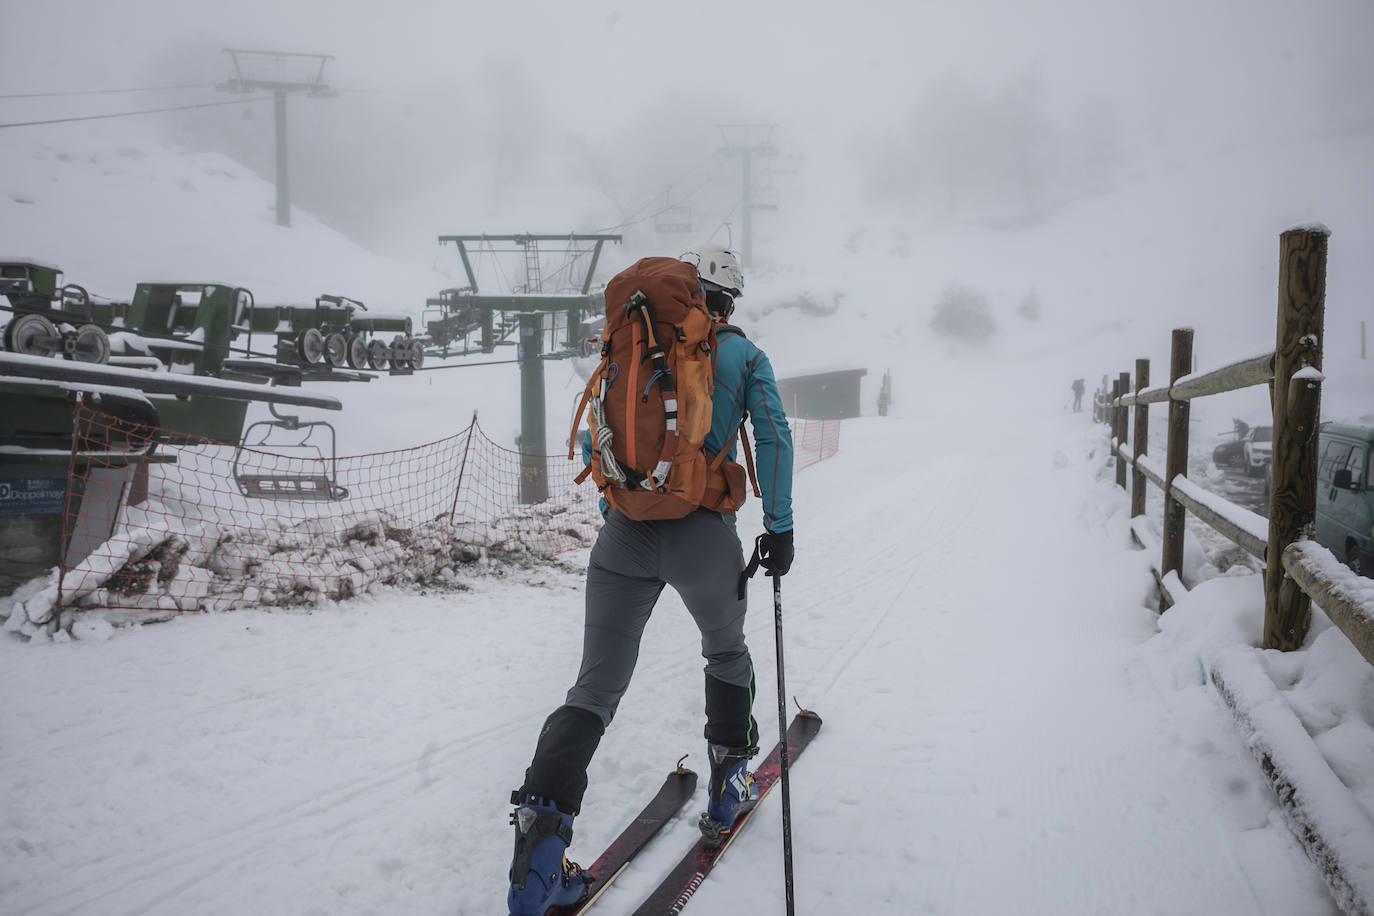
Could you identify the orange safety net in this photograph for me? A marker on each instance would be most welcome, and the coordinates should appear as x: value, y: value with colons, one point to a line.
x: 206, y: 525
x: 813, y: 441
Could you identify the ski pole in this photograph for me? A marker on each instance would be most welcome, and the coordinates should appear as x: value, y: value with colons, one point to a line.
x: 782, y: 745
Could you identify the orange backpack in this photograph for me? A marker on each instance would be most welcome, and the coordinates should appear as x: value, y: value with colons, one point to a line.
x: 648, y: 404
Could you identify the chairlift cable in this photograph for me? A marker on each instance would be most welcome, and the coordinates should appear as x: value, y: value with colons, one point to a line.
x: 49, y: 95
x: 130, y: 114
x: 638, y: 217
x: 570, y: 258
x: 726, y: 219
x: 495, y: 362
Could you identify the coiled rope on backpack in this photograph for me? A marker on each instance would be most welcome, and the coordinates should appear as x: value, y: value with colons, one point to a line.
x: 667, y: 391
x: 609, y: 466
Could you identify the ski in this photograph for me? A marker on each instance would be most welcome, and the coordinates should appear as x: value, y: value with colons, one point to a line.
x: 673, y: 893
x: 677, y: 788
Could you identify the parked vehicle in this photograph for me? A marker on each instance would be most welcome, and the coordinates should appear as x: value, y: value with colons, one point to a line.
x: 1232, y: 452
x: 1345, y: 496
x: 1258, y: 450
x: 1250, y: 448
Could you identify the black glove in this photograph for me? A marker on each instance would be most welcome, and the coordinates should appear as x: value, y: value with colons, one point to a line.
x: 776, y: 551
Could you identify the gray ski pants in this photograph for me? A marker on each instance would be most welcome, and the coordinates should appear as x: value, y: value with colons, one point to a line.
x: 631, y: 562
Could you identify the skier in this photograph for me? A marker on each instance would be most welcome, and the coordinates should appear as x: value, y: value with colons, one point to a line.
x: 631, y: 562
x: 1078, y: 388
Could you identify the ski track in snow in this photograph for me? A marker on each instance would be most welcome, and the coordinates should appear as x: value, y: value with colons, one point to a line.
x: 993, y: 775
x: 1005, y: 730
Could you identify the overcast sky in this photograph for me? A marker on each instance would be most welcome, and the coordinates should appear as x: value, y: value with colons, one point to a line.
x: 625, y: 98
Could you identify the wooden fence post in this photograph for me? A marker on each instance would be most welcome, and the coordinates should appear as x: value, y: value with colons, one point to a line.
x: 1297, y: 397
x: 1110, y: 414
x: 1176, y: 457
x: 1141, y: 438
x: 1123, y: 386
x: 1114, y: 392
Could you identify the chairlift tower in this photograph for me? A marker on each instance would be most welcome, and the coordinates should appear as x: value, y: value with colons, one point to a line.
x: 748, y: 141
x: 311, y: 68
x: 537, y: 316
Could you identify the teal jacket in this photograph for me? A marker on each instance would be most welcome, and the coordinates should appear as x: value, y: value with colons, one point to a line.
x: 745, y: 383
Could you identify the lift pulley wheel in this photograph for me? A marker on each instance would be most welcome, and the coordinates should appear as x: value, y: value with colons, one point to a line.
x: 310, y: 346
x: 336, y: 350
x: 417, y: 354
x: 357, y: 353
x: 32, y: 334
x: 378, y: 356
x: 400, y: 352
x: 88, y: 345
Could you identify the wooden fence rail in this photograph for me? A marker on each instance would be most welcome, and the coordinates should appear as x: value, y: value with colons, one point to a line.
x: 1297, y: 570
x: 1293, y: 372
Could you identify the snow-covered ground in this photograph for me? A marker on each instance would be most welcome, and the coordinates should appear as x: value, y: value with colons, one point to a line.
x: 1005, y: 732
x: 1009, y: 726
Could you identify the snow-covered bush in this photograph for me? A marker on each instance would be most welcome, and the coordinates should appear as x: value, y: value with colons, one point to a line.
x: 964, y: 313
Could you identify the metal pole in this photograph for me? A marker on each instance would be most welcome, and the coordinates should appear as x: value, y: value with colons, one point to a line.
x: 746, y: 248
x: 67, y: 510
x: 534, y: 480
x: 782, y: 745
x: 462, y: 467
x: 283, y: 184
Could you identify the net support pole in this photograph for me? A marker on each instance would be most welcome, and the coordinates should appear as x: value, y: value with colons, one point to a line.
x: 462, y: 469
x: 283, y: 181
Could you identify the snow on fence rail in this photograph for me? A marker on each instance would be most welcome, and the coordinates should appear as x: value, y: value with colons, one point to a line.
x: 1297, y: 569
x: 224, y: 526
x: 1293, y: 370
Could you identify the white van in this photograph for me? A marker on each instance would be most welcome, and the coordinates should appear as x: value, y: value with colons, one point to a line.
x: 1345, y: 494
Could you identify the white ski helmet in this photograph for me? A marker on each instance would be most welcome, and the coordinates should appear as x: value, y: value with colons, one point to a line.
x: 716, y: 264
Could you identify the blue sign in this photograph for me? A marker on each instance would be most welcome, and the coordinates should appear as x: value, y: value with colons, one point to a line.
x: 32, y: 496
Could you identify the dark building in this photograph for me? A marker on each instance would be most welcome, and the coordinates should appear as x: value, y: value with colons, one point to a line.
x: 824, y: 395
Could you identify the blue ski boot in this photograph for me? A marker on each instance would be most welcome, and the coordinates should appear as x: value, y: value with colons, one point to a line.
x: 732, y: 791
x: 540, y: 874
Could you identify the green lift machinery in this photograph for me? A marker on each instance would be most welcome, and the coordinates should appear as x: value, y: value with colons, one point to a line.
x: 178, y: 356
x: 43, y: 520
x: 550, y: 312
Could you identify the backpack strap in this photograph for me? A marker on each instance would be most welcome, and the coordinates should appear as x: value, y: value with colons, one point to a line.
x: 743, y: 438
x: 582, y: 405
x: 749, y: 461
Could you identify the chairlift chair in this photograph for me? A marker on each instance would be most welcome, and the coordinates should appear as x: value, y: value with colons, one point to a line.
x: 318, y: 486
x: 674, y: 221
x: 766, y: 198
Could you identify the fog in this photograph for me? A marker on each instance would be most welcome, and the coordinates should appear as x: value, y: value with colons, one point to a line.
x: 556, y: 116
x: 1074, y: 177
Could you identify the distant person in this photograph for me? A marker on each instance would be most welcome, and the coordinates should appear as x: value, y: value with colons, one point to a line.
x: 1078, y: 388
x: 631, y: 562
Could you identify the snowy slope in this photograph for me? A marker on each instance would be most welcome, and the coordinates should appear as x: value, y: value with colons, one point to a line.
x: 113, y: 207
x: 995, y: 740
x: 1006, y: 730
